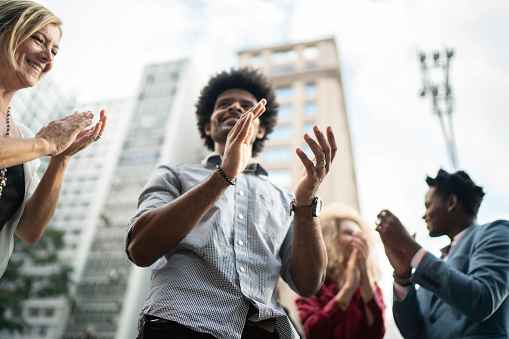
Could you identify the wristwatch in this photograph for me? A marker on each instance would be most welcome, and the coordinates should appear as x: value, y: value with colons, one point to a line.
x: 307, y: 211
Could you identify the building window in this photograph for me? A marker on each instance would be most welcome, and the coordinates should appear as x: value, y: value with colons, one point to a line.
x: 308, y: 151
x: 308, y: 128
x: 281, y: 57
x: 49, y: 312
x: 33, y: 312
x: 277, y: 155
x: 282, y: 178
x: 282, y: 70
x: 43, y: 331
x: 284, y: 92
x: 310, y: 108
x: 285, y: 112
x: 281, y: 132
x: 311, y: 53
x: 256, y: 60
x: 311, y: 89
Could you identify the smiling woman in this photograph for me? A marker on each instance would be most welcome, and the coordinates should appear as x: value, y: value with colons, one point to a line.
x: 29, y: 38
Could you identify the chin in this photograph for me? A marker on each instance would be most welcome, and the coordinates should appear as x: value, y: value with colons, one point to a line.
x: 435, y: 234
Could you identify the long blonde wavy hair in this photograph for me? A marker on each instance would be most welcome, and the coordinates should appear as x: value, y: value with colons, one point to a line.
x: 329, y: 219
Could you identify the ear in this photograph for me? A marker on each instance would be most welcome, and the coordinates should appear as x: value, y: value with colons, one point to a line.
x: 261, y: 132
x: 206, y: 128
x: 452, y: 202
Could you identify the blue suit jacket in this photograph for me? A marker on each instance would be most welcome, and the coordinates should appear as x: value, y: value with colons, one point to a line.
x: 465, y: 297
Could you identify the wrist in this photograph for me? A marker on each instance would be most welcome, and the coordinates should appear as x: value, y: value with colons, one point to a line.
x: 43, y: 145
x: 411, y: 249
x: 403, y: 280
x: 228, y: 179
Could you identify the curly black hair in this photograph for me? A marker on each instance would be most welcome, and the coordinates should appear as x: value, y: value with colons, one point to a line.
x: 462, y: 186
x: 247, y: 79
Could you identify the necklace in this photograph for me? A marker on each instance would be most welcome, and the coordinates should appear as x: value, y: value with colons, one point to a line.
x: 3, y: 172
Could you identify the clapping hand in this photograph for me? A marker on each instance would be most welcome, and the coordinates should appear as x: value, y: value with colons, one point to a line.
x: 324, y: 150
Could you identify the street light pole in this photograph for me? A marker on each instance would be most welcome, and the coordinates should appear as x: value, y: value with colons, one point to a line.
x: 442, y: 97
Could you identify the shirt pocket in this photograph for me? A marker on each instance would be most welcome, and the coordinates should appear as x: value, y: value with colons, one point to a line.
x: 271, y: 221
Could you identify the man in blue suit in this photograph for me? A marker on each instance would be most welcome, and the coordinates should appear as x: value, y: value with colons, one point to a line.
x: 464, y: 293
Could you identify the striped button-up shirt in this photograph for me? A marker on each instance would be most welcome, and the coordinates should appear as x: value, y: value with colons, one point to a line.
x: 232, y: 258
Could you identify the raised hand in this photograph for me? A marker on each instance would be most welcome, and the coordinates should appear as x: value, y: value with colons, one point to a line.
x: 353, y: 273
x: 237, y: 152
x: 61, y: 133
x: 86, y: 137
x: 324, y: 149
x: 399, y: 245
x: 359, y: 243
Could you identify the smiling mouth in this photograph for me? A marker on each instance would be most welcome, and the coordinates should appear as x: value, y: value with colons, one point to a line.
x: 37, y: 68
x: 231, y: 120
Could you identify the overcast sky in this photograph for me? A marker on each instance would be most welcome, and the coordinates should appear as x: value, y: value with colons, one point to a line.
x: 397, y: 140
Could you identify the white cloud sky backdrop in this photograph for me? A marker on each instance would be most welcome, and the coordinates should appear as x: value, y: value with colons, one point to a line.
x: 396, y: 139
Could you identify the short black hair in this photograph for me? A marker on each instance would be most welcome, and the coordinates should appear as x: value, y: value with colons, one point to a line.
x: 247, y: 79
x: 462, y: 186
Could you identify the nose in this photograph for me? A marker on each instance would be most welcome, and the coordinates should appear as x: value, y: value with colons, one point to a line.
x: 47, y: 55
x: 236, y: 107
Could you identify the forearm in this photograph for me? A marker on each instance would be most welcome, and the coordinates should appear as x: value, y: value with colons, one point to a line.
x: 42, y: 204
x: 16, y: 151
x: 367, y: 295
x: 344, y: 297
x: 308, y: 255
x: 158, y: 231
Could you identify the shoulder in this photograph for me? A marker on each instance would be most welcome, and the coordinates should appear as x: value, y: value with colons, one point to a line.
x: 493, y: 228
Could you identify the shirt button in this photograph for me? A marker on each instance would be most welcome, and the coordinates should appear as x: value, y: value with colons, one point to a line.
x: 242, y: 269
x: 241, y: 193
x: 241, y: 216
x: 240, y: 242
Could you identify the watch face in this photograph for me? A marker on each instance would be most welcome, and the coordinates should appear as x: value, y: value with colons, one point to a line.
x: 317, y: 207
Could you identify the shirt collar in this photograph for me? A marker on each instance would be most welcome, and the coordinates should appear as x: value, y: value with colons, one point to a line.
x: 215, y: 158
x: 447, y: 249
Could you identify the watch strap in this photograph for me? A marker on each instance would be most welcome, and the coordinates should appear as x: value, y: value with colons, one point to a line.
x: 304, y: 211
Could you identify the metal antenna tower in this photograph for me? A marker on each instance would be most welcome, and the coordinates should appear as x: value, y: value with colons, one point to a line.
x: 442, y: 96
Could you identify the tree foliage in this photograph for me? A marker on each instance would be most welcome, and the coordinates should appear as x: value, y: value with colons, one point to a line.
x: 33, y: 272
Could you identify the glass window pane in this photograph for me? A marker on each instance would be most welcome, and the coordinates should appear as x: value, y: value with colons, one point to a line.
x: 311, y: 89
x: 284, y: 92
x: 310, y: 108
x: 281, y: 132
x: 285, y: 112
x: 280, y: 57
x: 276, y: 155
x: 308, y: 128
x: 256, y: 60
x: 311, y: 53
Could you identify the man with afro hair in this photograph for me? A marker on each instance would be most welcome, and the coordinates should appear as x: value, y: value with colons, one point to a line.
x: 464, y: 293
x: 219, y: 234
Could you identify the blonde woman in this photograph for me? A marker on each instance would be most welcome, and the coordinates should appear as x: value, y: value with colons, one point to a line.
x: 29, y: 42
x: 350, y: 303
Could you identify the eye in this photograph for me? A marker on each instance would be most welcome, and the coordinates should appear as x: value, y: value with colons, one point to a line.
x: 54, y: 52
x: 36, y: 38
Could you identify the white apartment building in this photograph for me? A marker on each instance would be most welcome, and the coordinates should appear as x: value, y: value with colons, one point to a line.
x: 307, y: 80
x: 161, y: 128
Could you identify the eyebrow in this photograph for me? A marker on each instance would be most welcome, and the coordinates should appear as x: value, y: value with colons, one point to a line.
x: 46, y: 37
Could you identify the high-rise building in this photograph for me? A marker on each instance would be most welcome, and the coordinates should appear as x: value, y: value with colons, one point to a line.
x: 35, y: 107
x: 161, y: 128
x: 307, y: 80
x: 308, y: 86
